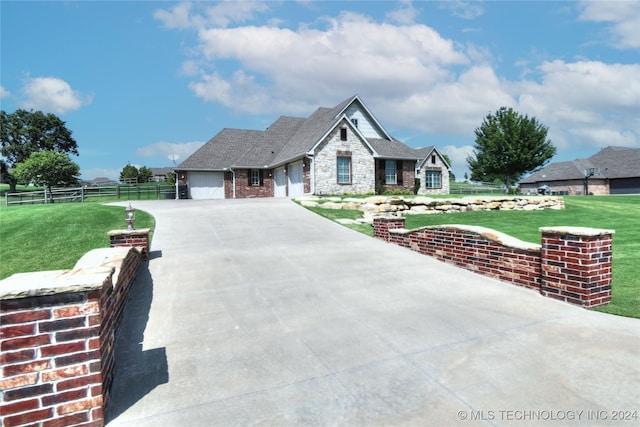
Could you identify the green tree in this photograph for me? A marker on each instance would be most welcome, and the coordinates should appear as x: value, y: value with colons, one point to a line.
x: 452, y: 176
x: 129, y: 173
x: 4, y: 172
x: 47, y: 168
x: 23, y: 133
x: 508, y: 145
x: 144, y: 174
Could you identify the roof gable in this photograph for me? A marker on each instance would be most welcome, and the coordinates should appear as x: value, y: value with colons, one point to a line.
x: 354, y: 108
x: 426, y: 152
x: 290, y: 138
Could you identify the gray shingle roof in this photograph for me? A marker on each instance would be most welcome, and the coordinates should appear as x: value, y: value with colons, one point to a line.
x: 222, y: 151
x: 271, y: 143
x: 308, y: 134
x: 613, y: 162
x: 287, y: 139
x: 617, y: 162
x: 396, y: 149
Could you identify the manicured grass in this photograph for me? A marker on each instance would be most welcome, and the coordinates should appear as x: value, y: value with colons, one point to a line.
x: 55, y: 236
x: 619, y: 213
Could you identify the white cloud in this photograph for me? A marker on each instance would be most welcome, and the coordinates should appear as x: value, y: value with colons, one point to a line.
x: 463, y: 9
x: 178, y: 17
x: 411, y: 77
x: 623, y: 17
x: 190, y: 15
x: 391, y: 62
x: 586, y: 103
x: 4, y: 93
x: 458, y: 157
x: 404, y: 14
x: 51, y: 94
x: 166, y: 149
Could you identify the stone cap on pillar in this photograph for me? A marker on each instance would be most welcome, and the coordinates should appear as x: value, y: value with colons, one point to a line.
x: 576, y: 231
x: 135, y: 232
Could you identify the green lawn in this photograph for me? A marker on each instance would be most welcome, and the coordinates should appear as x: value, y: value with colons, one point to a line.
x: 55, y: 236
x: 619, y: 213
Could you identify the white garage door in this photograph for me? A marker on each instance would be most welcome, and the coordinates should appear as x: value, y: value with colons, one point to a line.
x: 281, y: 183
x: 296, y: 180
x: 206, y: 185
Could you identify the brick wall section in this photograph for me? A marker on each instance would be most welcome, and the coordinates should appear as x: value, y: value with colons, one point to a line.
x: 577, y: 265
x: 131, y: 239
x: 245, y: 190
x: 381, y: 227
x: 572, y: 264
x: 57, y: 356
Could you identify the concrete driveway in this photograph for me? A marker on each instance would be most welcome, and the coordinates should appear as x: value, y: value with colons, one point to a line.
x: 258, y: 312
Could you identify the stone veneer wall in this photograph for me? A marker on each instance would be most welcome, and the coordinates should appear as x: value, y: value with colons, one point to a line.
x: 573, y: 264
x: 57, y: 338
x: 325, y: 165
x: 444, y: 176
x: 399, y: 205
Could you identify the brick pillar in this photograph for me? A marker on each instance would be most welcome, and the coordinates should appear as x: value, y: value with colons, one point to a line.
x: 576, y: 265
x: 131, y: 239
x: 382, y: 225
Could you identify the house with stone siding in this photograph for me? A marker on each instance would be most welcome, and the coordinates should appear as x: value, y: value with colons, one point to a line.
x: 339, y: 150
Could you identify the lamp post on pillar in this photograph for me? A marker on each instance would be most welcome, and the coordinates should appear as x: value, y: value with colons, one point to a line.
x: 130, y: 217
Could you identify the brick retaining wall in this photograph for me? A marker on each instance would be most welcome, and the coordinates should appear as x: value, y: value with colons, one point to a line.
x: 57, y: 339
x: 573, y: 264
x: 131, y: 239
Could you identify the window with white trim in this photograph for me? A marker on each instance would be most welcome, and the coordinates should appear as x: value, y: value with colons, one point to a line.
x: 390, y: 176
x: 432, y: 179
x: 344, y: 170
x: 256, y: 177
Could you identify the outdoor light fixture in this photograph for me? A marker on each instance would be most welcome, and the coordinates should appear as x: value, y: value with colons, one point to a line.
x: 130, y: 217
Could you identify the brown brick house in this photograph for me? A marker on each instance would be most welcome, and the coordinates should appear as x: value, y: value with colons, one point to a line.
x: 613, y: 170
x: 339, y: 150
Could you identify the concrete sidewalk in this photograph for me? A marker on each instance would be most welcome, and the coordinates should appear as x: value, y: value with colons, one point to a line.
x: 258, y: 312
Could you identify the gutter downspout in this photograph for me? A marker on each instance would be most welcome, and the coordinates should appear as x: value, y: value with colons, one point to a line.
x: 312, y: 174
x: 233, y: 182
x: 176, y: 184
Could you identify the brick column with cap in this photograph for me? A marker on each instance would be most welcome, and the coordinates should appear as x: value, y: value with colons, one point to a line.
x: 382, y: 225
x: 577, y: 265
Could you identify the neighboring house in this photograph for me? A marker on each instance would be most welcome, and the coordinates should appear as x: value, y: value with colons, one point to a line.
x: 99, y: 182
x: 613, y: 170
x: 339, y: 150
x: 160, y: 174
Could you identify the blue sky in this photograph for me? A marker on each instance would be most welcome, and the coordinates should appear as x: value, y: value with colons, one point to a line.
x: 139, y: 81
